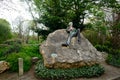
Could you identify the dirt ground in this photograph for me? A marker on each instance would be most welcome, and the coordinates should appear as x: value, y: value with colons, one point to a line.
x: 111, y: 73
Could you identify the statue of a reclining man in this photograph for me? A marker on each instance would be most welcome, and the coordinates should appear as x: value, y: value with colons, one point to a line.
x: 73, y: 32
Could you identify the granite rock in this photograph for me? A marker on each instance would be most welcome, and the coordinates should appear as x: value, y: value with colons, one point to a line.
x: 75, y: 55
x: 4, y: 66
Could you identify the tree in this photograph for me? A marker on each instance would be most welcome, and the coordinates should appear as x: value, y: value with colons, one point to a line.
x: 19, y: 28
x: 116, y: 28
x: 5, y: 31
x: 98, y: 25
x: 23, y: 28
x: 33, y: 22
x: 55, y: 14
x: 114, y: 6
x: 52, y: 14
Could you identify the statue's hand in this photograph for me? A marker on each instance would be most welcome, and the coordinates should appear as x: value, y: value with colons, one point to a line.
x: 67, y: 31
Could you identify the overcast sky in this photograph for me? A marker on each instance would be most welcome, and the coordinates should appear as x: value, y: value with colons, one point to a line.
x: 11, y: 9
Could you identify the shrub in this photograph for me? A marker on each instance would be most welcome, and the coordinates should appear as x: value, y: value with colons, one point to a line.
x: 92, y: 36
x: 98, y: 47
x: 33, y: 42
x: 13, y: 60
x: 54, y: 74
x: 102, y: 48
x: 5, y: 30
x: 31, y: 50
x: 4, y: 49
x: 26, y: 52
x: 10, y: 46
x: 113, y: 60
x: 108, y: 43
x: 13, y: 41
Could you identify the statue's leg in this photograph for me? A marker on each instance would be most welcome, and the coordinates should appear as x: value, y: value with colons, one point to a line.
x: 72, y: 34
x: 78, y: 35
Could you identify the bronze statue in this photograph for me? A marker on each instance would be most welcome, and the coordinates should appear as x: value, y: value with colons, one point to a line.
x: 73, y: 32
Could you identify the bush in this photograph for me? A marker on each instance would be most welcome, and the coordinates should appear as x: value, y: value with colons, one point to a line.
x: 13, y: 60
x: 102, y: 48
x: 92, y: 36
x: 10, y: 46
x: 31, y: 50
x: 54, y: 74
x: 5, y: 30
x: 108, y: 43
x: 113, y: 60
x: 4, y: 49
x: 26, y: 52
x: 8, y: 49
x: 34, y: 40
x: 13, y: 41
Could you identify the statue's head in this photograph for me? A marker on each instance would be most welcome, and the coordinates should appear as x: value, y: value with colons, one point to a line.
x: 70, y: 24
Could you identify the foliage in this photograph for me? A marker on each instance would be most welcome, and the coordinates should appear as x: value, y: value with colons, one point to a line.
x: 109, y: 3
x: 26, y: 52
x: 56, y: 14
x: 5, y: 31
x: 113, y: 54
x: 99, y: 24
x: 56, y: 74
x: 13, y: 60
x: 50, y: 6
x: 31, y: 50
x: 103, y: 24
x: 13, y: 41
x: 4, y: 49
x: 115, y: 35
x: 91, y: 35
x: 113, y: 60
x: 15, y: 45
x: 10, y: 46
x: 52, y: 15
x: 102, y: 48
x: 41, y: 32
x: 31, y: 41
x: 114, y: 22
x: 13, y: 53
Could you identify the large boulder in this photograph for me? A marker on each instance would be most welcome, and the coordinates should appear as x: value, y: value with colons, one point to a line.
x: 4, y: 66
x: 76, y: 55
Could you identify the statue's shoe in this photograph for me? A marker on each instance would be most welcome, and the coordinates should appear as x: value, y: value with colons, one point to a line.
x: 65, y: 45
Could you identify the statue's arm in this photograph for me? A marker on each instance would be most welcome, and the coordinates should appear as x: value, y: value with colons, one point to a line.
x: 68, y: 29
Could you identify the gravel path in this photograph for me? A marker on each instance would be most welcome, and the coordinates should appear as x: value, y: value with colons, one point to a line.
x: 14, y: 76
x: 111, y: 73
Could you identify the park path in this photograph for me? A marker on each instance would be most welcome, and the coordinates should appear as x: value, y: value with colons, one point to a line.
x: 14, y: 76
x: 111, y: 73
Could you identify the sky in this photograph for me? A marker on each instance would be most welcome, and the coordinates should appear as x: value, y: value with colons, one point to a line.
x: 11, y: 9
